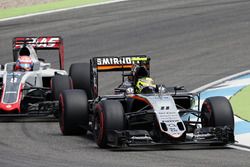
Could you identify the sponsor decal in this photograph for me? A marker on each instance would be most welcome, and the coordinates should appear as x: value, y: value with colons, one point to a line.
x: 8, y: 106
x: 139, y: 58
x: 8, y: 92
x: 130, y: 90
x: 118, y: 60
x: 172, y: 125
x: 113, y: 61
x: 141, y: 138
x: 40, y: 42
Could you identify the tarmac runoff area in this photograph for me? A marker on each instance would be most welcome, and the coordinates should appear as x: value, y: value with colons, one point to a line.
x: 237, y: 89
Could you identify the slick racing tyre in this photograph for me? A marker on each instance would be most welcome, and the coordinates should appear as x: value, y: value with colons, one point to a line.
x: 217, y: 112
x: 58, y: 84
x: 80, y: 74
x: 109, y: 116
x: 73, y: 116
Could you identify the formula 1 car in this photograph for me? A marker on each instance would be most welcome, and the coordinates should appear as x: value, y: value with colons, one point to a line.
x: 35, y: 92
x: 164, y: 116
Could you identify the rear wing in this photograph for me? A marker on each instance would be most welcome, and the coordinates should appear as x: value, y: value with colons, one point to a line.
x: 122, y: 63
x: 40, y: 43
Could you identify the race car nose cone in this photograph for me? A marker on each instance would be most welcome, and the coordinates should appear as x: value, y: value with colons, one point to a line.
x: 9, y: 107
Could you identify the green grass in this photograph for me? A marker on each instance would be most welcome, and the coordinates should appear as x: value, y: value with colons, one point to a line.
x: 241, y: 103
x: 11, y: 12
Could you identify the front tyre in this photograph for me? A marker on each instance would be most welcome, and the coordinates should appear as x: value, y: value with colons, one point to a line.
x: 109, y: 116
x: 217, y: 112
x: 58, y: 84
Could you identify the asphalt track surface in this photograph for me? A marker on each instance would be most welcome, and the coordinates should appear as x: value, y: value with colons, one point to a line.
x: 191, y: 42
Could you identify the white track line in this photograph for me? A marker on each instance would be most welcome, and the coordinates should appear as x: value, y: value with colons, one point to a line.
x: 219, y: 81
x: 239, y: 147
x: 61, y: 10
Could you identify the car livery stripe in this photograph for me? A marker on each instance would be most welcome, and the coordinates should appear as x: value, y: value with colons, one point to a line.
x: 140, y: 99
x: 113, y: 67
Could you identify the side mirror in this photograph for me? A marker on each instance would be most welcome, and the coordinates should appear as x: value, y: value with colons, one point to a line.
x: 41, y: 59
x: 179, y: 88
x: 10, y: 67
x: 120, y: 89
x: 129, y: 90
x: 161, y: 88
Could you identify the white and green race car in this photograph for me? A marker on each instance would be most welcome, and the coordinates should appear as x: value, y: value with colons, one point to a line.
x: 161, y: 116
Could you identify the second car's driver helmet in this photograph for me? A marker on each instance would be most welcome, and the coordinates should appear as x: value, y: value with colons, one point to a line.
x: 140, y: 71
x: 24, y: 63
x: 145, y: 85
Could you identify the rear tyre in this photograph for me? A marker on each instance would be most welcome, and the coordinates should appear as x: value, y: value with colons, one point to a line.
x: 109, y: 116
x: 217, y: 112
x: 73, y: 106
x: 80, y: 74
x: 58, y: 84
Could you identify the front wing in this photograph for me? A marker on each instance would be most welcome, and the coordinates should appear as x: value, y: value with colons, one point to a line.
x: 202, y: 136
x: 40, y: 109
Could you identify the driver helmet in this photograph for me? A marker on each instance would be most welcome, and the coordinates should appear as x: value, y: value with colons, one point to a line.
x: 140, y: 71
x: 145, y: 85
x: 24, y: 63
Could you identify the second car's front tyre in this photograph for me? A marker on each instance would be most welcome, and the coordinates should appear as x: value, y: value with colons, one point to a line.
x: 58, y: 84
x: 73, y: 115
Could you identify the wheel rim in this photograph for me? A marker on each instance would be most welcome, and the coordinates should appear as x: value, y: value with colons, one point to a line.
x: 99, y: 127
x: 206, y: 114
x: 61, y: 115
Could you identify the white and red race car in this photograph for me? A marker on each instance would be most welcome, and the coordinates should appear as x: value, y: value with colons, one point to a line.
x: 35, y: 92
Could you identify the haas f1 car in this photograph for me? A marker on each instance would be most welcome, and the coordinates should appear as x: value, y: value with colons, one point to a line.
x: 159, y: 116
x: 33, y: 92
